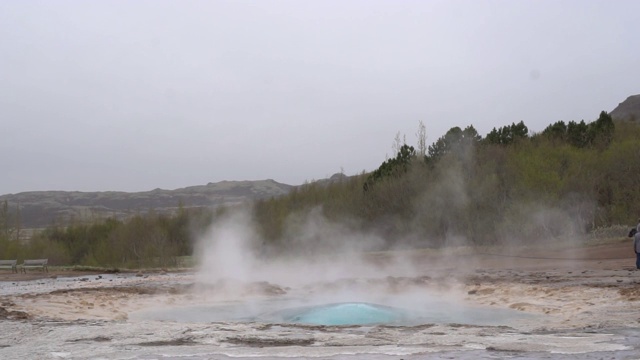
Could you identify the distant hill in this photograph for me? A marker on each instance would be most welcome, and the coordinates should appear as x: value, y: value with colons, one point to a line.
x: 43, y: 208
x: 628, y: 110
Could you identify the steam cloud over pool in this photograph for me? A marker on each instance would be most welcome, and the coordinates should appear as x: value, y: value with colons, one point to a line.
x: 237, y: 285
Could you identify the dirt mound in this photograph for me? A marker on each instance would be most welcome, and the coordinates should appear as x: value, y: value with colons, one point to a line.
x: 12, y: 315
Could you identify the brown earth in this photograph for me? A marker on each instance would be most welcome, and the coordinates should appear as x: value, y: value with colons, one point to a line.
x: 575, y: 300
x: 613, y: 255
x: 578, y: 285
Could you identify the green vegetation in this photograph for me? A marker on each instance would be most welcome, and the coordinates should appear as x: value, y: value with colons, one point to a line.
x: 149, y: 240
x: 511, y: 186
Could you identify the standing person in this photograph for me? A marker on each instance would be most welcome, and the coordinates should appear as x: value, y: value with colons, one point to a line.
x: 635, y: 230
x: 636, y: 248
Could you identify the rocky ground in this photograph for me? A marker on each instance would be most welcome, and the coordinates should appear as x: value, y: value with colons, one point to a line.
x: 580, y: 302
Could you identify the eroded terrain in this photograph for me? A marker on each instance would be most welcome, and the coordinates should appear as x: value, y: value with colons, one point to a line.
x: 581, y: 308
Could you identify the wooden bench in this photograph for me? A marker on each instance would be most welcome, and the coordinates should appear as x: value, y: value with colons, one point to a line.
x: 34, y: 263
x: 9, y: 264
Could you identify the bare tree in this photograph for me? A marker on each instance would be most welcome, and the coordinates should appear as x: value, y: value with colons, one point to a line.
x: 7, y: 221
x: 422, y: 139
x: 18, y: 223
x: 397, y: 144
x: 4, y: 219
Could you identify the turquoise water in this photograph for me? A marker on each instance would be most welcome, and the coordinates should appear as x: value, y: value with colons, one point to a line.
x: 335, y: 314
x: 345, y: 314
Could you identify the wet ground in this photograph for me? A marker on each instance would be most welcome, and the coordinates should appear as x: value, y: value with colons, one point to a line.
x: 492, y: 308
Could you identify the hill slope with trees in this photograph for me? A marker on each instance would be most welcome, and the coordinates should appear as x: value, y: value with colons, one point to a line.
x: 511, y: 186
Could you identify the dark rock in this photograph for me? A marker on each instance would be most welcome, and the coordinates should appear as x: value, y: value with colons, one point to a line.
x: 628, y: 110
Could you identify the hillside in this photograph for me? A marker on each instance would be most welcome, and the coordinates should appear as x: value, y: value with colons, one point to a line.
x: 628, y: 110
x: 568, y: 183
x: 42, y: 208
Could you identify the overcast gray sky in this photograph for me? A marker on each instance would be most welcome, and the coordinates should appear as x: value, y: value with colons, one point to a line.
x: 136, y: 95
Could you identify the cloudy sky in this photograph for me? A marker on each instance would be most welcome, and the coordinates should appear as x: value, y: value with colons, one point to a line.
x: 136, y: 95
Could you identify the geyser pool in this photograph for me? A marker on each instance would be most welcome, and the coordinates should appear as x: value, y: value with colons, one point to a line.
x: 345, y: 314
x: 335, y: 314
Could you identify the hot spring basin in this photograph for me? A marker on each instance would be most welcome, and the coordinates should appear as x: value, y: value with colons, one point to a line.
x: 343, y: 313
